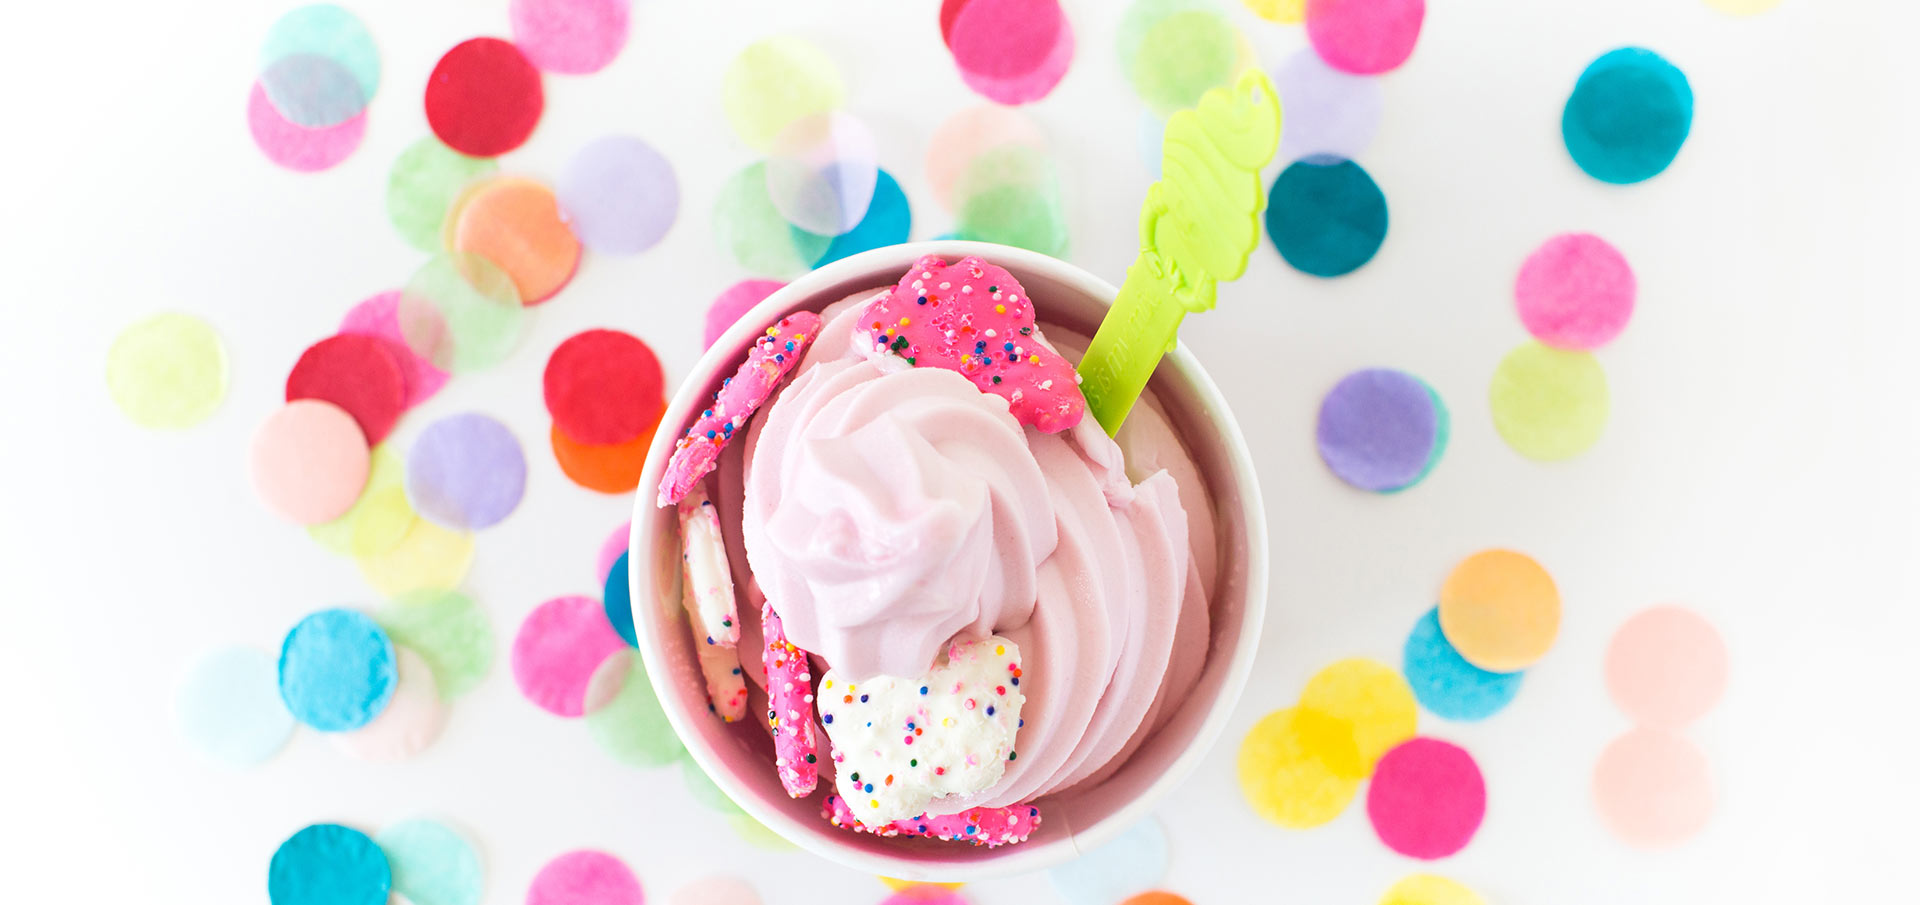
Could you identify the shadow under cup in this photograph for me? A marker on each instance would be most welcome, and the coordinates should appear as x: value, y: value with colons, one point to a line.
x: 739, y: 756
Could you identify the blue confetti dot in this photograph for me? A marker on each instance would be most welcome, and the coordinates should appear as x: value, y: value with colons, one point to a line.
x: 617, y: 598
x: 1628, y: 115
x: 1326, y: 216
x: 888, y: 220
x: 432, y: 865
x: 337, y: 670
x: 328, y: 864
x: 1445, y: 683
x: 1133, y: 863
x: 229, y: 707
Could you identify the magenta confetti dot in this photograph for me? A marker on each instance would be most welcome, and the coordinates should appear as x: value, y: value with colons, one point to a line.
x: 466, y: 472
x: 1010, y: 51
x: 618, y: 195
x: 1365, y: 37
x: 559, y: 653
x: 1426, y: 798
x: 570, y: 37
x: 1575, y: 291
x: 297, y: 147
x: 735, y: 301
x: 610, y: 550
x: 379, y: 317
x: 1327, y: 111
x: 1381, y: 429
x: 585, y: 877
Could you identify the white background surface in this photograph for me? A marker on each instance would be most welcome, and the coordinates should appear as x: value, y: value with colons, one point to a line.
x: 1757, y: 466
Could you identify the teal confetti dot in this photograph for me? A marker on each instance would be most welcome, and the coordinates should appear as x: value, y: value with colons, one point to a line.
x: 617, y: 598
x: 432, y: 865
x: 1326, y: 216
x: 319, y: 65
x: 337, y: 670
x: 1445, y: 683
x: 888, y: 220
x: 1628, y: 115
x: 328, y: 864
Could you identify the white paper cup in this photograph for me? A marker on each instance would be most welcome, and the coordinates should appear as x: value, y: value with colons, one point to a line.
x: 739, y: 756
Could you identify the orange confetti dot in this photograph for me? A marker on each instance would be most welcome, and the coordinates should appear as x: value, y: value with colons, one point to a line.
x: 1157, y: 897
x: 1500, y: 610
x: 515, y: 223
x: 608, y: 469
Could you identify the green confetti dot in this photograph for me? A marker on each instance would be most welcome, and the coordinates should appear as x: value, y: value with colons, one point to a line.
x: 425, y: 181
x: 167, y: 372
x: 1173, y: 51
x: 776, y: 81
x: 704, y: 791
x: 449, y: 631
x: 1549, y: 404
x: 432, y: 865
x: 748, y: 226
x: 461, y: 313
x: 386, y: 472
x: 756, y: 834
x: 1011, y: 195
x: 632, y: 727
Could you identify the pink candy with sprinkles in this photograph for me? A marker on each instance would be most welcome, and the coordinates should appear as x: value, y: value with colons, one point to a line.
x: 772, y: 357
x: 981, y: 826
x: 790, y: 709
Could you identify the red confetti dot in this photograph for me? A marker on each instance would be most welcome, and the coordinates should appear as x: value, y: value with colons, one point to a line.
x: 604, y: 387
x: 484, y: 98
x: 360, y: 374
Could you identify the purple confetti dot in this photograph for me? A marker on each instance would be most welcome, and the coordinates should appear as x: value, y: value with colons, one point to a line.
x: 1380, y: 429
x: 1328, y: 111
x: 466, y: 472
x: 618, y: 195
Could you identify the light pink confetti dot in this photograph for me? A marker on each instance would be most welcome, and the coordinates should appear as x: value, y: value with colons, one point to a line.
x: 1575, y: 291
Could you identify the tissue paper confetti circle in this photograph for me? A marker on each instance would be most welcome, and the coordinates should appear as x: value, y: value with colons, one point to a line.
x: 1549, y: 404
x: 898, y: 885
x: 1011, y: 195
x: 715, y: 890
x: 1172, y: 51
x: 319, y: 65
x: 617, y: 598
x: 461, y: 313
x: 309, y: 461
x: 337, y: 670
x: 774, y: 82
x: 613, y: 468
x: 731, y: 303
x: 385, y: 472
x: 167, y: 372
x: 432, y: 865
x: 1151, y: 136
x: 701, y: 787
x: 422, y: 185
x: 1500, y: 610
x: 429, y: 557
x: 1381, y: 430
x: 585, y: 877
x: 619, y: 195
x: 1427, y: 889
x: 1666, y: 667
x: 1134, y: 861
x: 299, y: 148
x: 1326, y: 216
x: 1010, y: 51
x: 611, y: 550
x: 1426, y: 799
x: 1367, y: 37
x: 1157, y: 897
x: 1628, y: 115
x: 570, y: 37
x: 516, y: 224
x: 466, y: 471
x: 1445, y: 683
x: 328, y: 864
x: 604, y: 387
x: 1653, y: 788
x: 820, y: 172
x: 1369, y: 696
x: 379, y: 317
x: 484, y: 98
x: 557, y: 651
x: 748, y: 226
x: 1575, y: 292
x: 1327, y: 111
x: 924, y: 894
x: 970, y: 132
x: 228, y: 707
x: 409, y: 723
x: 360, y: 374
x: 888, y: 220
x: 1299, y: 768
x: 1285, y: 12
x: 381, y: 520
x: 450, y: 632
x: 632, y: 728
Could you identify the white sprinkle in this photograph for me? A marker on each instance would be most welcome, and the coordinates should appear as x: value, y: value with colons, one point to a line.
x: 1046, y: 384
x: 990, y: 332
x: 946, y: 285
x: 965, y: 289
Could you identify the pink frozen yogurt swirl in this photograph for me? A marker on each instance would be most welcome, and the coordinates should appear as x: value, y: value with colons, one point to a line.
x: 888, y: 510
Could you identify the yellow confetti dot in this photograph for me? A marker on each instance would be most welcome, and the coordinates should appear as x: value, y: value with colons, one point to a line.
x: 1500, y: 610
x: 1549, y: 404
x: 1743, y: 7
x: 384, y: 523
x: 386, y: 471
x: 1373, y: 698
x: 167, y: 372
x: 1428, y: 889
x: 776, y: 81
x: 429, y: 557
x: 1285, y: 12
x: 756, y: 834
x: 1298, y: 768
x: 898, y: 885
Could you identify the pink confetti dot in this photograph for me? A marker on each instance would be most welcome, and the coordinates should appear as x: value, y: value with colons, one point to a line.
x: 310, y: 461
x: 379, y: 317
x: 559, y: 653
x: 585, y: 877
x: 737, y: 300
x: 1010, y: 51
x: 1364, y: 37
x: 1426, y: 799
x: 1666, y: 667
x: 1652, y: 788
x: 1575, y: 292
x: 297, y: 147
x: 610, y: 550
x: 570, y: 37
